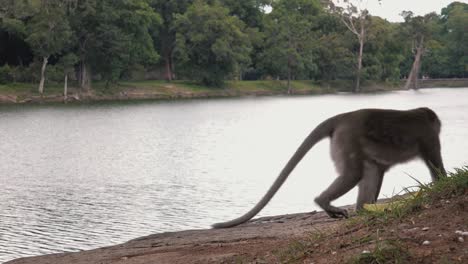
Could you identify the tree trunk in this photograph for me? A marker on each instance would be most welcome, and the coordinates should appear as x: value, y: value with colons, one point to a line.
x: 357, y: 89
x: 289, y: 76
x: 414, y: 73
x: 167, y: 59
x: 85, y: 77
x: 65, y: 89
x: 361, y: 38
x: 41, y: 83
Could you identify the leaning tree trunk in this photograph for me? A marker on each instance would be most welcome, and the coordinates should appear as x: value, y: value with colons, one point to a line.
x: 414, y: 73
x: 41, y: 83
x: 65, y: 89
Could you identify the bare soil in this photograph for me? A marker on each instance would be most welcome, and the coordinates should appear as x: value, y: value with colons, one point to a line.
x: 298, y: 238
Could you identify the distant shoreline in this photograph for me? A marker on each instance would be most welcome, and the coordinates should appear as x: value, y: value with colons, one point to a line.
x: 161, y: 90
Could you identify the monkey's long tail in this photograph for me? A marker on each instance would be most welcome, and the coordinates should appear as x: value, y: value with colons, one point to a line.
x: 325, y: 129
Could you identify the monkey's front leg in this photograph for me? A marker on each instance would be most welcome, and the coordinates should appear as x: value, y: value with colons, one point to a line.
x: 369, y: 186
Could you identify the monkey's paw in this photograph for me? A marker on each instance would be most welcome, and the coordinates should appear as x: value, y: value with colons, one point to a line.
x: 337, y: 213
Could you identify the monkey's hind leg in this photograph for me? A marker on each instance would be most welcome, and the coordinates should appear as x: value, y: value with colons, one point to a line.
x: 369, y: 186
x: 339, y: 187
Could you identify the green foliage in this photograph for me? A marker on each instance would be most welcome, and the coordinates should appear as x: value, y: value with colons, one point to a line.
x: 249, y: 11
x: 211, y: 41
x: 450, y: 57
x: 210, y: 44
x: 67, y: 62
x: 383, y: 56
x: 119, y: 36
x: 335, y: 58
x: 14, y: 26
x: 48, y: 30
x: 5, y: 74
x: 290, y: 40
x: 453, y: 184
x: 164, y: 36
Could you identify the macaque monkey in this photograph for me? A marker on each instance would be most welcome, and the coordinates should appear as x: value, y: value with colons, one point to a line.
x: 364, y: 145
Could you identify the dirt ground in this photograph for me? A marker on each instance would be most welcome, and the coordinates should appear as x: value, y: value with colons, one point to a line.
x: 427, y: 236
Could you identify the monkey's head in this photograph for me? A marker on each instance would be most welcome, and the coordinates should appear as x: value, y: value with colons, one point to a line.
x: 432, y: 117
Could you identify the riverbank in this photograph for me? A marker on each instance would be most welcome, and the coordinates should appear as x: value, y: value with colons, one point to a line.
x: 429, y: 227
x: 161, y: 90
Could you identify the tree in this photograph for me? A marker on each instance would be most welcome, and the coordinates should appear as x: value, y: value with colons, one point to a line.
x: 112, y: 36
x: 67, y: 65
x: 165, y: 35
x: 356, y: 19
x: 210, y: 44
x: 419, y: 30
x: 249, y: 11
x: 290, y: 39
x: 83, y: 20
x: 334, y: 57
x: 13, y: 48
x: 48, y: 33
x: 455, y: 18
x: 383, y: 56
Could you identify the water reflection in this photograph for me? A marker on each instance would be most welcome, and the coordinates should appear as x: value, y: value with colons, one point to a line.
x: 82, y: 176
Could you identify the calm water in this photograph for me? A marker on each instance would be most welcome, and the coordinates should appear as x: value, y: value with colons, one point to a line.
x: 83, y: 176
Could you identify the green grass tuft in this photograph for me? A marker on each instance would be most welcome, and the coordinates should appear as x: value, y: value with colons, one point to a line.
x: 385, y: 252
x: 453, y: 184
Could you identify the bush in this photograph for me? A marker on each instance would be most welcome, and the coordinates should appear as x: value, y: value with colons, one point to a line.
x: 31, y: 73
x: 6, y: 74
x: 55, y: 73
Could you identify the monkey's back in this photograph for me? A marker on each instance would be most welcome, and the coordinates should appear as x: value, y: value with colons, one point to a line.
x: 384, y: 136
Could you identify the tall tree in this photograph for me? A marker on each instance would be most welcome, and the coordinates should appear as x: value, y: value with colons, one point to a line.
x: 455, y: 18
x: 211, y: 44
x: 112, y: 36
x: 83, y: 20
x: 383, y: 56
x: 335, y: 59
x: 165, y: 35
x: 13, y: 16
x: 356, y: 19
x: 419, y: 31
x: 67, y: 65
x: 48, y: 33
x: 290, y: 38
x: 249, y: 11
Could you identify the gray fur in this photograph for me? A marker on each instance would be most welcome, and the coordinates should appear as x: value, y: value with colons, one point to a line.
x: 364, y: 145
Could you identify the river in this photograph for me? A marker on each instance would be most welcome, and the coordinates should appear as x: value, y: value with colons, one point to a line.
x: 82, y: 176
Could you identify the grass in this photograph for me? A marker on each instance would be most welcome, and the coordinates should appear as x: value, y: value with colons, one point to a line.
x: 385, y: 252
x: 370, y: 223
x: 295, y: 252
x: 300, y: 249
x: 30, y: 89
x: 454, y: 184
x: 391, y: 251
x: 17, y: 88
x: 178, y: 89
x: 169, y: 88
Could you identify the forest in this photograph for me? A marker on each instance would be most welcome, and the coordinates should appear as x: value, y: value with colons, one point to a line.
x: 211, y: 41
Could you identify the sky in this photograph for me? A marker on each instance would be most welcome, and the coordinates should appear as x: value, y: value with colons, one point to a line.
x: 391, y: 9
